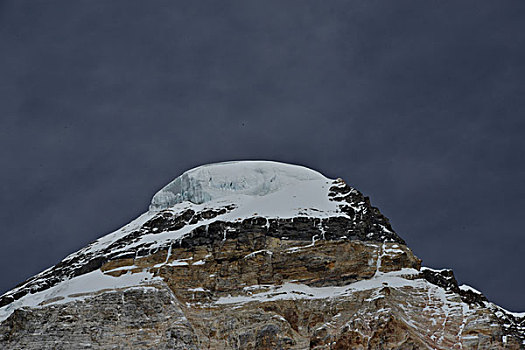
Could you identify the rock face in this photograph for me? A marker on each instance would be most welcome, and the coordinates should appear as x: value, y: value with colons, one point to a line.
x: 252, y: 255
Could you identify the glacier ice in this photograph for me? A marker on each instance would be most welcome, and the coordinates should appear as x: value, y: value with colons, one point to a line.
x: 217, y: 181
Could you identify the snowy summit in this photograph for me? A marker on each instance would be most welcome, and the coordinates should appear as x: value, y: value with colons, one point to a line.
x: 257, y: 184
x: 234, y: 179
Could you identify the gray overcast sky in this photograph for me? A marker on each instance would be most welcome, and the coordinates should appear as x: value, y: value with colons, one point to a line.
x: 419, y: 104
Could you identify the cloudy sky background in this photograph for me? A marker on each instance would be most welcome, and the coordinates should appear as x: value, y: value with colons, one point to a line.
x: 419, y: 104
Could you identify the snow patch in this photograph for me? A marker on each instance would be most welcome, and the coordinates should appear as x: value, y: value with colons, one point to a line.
x: 293, y: 291
x: 466, y: 287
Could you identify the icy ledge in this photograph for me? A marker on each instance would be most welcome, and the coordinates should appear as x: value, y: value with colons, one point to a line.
x: 233, y: 179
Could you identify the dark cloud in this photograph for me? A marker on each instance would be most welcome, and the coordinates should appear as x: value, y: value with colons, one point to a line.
x: 418, y: 104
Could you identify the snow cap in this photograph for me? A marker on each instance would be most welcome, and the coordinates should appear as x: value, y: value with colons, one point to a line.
x: 221, y: 180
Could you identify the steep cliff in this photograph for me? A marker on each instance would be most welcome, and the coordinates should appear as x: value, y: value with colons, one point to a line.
x: 252, y: 255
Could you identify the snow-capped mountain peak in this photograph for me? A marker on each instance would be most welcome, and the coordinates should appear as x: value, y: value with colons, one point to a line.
x: 253, y: 254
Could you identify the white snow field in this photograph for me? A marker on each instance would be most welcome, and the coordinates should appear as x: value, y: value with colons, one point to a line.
x: 242, y: 182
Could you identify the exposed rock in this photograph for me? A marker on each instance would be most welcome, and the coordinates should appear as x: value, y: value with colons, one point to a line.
x: 136, y: 318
